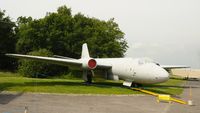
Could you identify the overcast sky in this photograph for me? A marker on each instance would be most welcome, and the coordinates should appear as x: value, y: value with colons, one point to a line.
x: 167, y: 31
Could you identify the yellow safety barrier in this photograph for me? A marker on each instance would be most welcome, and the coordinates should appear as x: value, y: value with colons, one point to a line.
x: 145, y: 91
x: 161, y: 97
x: 178, y: 101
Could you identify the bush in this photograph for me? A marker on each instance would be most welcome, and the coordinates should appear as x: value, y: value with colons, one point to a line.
x: 31, y: 68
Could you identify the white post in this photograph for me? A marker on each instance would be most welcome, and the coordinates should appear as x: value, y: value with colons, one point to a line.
x: 26, y: 109
x: 190, y: 92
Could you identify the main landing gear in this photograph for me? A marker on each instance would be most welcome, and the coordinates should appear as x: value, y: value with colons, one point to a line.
x: 88, y: 80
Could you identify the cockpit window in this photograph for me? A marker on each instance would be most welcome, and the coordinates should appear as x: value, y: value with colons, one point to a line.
x: 157, y: 64
x: 144, y: 61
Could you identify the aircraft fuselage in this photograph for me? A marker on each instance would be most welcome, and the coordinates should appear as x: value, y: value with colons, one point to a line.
x: 136, y: 70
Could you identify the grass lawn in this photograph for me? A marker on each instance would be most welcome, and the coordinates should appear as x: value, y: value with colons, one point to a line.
x: 15, y: 82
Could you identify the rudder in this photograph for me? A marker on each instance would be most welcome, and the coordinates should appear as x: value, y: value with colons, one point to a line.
x: 85, y: 52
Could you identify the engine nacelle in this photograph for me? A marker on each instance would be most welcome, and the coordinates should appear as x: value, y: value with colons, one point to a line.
x: 89, y: 64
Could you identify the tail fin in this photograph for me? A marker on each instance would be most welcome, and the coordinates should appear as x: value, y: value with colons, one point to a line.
x: 85, y: 53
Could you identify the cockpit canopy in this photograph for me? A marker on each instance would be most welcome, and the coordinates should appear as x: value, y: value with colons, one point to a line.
x: 146, y: 60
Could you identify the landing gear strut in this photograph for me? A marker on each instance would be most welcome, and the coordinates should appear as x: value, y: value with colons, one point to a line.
x: 89, y: 77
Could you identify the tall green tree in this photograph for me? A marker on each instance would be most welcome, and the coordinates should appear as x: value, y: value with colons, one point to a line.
x: 63, y: 34
x: 7, y: 41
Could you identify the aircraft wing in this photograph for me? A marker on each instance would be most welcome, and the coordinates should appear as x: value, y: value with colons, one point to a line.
x: 70, y: 62
x: 63, y: 57
x: 59, y: 61
x: 169, y: 67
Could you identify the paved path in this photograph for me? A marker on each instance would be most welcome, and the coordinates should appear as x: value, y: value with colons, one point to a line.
x: 52, y: 103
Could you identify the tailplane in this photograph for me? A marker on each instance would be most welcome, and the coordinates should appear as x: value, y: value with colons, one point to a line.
x: 85, y: 53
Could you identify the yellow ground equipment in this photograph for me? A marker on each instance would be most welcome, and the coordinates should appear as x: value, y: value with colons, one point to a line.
x: 161, y: 97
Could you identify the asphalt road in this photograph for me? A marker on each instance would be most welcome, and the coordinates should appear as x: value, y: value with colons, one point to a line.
x: 55, y: 103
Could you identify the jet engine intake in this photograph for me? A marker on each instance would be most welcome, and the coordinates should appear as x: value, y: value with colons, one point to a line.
x: 89, y: 64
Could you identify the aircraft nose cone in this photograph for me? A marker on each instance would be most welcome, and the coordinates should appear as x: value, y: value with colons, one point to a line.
x: 162, y: 75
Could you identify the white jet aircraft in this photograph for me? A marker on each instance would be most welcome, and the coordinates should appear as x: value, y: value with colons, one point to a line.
x: 137, y: 71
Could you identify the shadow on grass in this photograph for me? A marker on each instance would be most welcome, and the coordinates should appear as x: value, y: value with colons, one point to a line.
x: 53, y: 83
x: 107, y: 84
